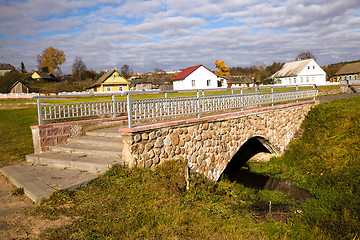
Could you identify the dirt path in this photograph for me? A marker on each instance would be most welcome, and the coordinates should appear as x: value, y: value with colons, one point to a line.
x: 15, y: 222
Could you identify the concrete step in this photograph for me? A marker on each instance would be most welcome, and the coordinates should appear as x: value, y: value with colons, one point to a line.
x: 75, y: 160
x: 40, y: 181
x: 97, y: 141
x: 88, y: 149
x: 107, y: 132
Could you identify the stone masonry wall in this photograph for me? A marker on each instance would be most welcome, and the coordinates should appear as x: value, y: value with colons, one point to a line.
x: 208, y: 146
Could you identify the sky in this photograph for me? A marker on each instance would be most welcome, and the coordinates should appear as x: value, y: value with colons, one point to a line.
x: 175, y: 34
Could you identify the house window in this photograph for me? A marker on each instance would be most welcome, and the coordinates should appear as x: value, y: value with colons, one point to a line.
x: 192, y: 83
x: 313, y: 67
x: 344, y: 77
x: 308, y: 67
x: 108, y: 89
x: 350, y: 77
x: 120, y: 89
x: 307, y: 79
x: 340, y: 78
x: 294, y: 80
x: 302, y: 80
x: 208, y: 83
x: 313, y: 79
x: 355, y: 77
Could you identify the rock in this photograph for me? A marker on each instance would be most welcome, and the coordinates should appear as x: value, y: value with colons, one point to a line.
x: 168, y: 141
x: 159, y: 143
x: 137, y: 138
x: 175, y: 138
x: 149, y: 146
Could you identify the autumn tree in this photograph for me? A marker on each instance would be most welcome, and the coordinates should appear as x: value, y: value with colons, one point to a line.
x: 51, y: 58
x: 305, y: 55
x: 78, y: 68
x: 126, y: 71
x: 223, y: 70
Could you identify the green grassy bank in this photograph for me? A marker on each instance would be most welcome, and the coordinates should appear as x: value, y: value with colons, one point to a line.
x: 143, y: 204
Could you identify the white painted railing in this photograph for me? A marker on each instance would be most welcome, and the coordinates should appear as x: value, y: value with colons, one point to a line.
x: 155, y: 108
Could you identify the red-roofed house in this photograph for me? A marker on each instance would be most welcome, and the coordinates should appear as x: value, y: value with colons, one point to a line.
x: 198, y: 77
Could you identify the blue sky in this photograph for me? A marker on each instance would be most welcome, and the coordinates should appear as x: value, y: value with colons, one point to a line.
x: 174, y: 34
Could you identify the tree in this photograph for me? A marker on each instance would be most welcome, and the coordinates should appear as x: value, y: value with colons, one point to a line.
x: 22, y: 67
x: 78, y: 67
x: 126, y: 71
x: 305, y: 55
x: 51, y: 58
x: 223, y: 70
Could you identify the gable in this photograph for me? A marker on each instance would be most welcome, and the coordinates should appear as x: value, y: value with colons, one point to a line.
x: 35, y: 75
x: 115, y: 78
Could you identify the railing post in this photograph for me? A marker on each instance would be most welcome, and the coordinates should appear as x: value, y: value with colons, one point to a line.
x: 166, y: 95
x: 38, y: 100
x: 297, y: 93
x: 129, y: 109
x: 242, y: 99
x: 198, y: 103
x: 272, y: 96
x: 114, y: 105
x: 232, y: 91
x: 314, y: 86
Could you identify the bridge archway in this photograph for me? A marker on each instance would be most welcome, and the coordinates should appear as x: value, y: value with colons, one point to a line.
x: 249, y: 149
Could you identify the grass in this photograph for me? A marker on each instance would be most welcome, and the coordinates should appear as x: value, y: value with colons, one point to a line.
x: 16, y: 139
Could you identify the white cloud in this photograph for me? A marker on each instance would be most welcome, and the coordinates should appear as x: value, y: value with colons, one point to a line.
x: 172, y: 34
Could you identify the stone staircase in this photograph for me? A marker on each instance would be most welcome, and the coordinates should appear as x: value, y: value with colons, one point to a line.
x: 67, y: 166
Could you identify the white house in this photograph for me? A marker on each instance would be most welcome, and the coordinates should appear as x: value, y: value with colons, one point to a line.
x: 300, y: 72
x: 198, y: 77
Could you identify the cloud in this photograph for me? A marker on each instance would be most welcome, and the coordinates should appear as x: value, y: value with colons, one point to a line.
x: 172, y: 34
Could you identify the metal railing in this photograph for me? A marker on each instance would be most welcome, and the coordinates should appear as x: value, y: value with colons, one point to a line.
x: 167, y: 107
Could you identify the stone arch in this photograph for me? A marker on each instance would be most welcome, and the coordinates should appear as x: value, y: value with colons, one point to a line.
x: 249, y: 149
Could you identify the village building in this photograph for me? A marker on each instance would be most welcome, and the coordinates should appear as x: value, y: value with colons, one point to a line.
x: 111, y: 81
x: 236, y: 81
x: 5, y: 68
x: 42, y: 76
x: 198, y: 77
x: 20, y: 87
x: 300, y: 73
x: 349, y: 73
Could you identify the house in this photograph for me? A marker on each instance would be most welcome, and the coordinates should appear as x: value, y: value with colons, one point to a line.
x: 20, y: 87
x: 300, y: 73
x: 234, y: 81
x: 111, y: 81
x: 198, y: 77
x: 151, y: 83
x: 37, y: 75
x: 349, y: 73
x: 5, y: 68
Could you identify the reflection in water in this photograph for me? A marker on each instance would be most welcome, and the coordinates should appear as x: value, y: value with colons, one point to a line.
x: 259, y: 181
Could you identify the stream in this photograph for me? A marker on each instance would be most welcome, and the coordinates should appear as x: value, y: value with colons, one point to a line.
x: 259, y: 181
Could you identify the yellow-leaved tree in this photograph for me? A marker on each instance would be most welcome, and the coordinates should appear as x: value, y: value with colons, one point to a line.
x: 51, y: 59
x: 223, y: 70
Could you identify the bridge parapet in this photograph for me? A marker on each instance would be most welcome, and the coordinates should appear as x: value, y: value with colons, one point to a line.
x: 208, y: 143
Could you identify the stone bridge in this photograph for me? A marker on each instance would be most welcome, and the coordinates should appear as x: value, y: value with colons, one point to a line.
x: 215, y: 144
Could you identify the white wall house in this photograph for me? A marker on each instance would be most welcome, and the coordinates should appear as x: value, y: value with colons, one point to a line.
x: 300, y: 72
x: 198, y: 77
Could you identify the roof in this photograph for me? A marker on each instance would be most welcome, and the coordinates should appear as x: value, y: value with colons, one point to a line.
x: 186, y: 72
x: 349, y: 69
x: 16, y: 84
x: 237, y: 79
x: 292, y: 68
x: 43, y: 74
x: 6, y: 66
x: 104, y: 77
